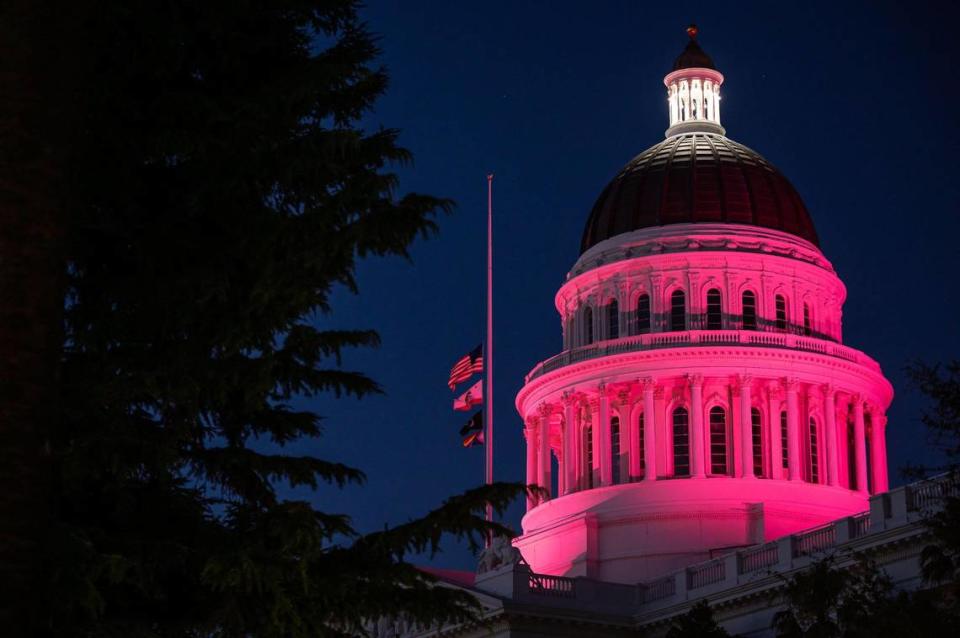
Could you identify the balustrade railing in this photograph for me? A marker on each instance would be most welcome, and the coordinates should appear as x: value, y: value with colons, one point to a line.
x: 706, y: 573
x: 652, y: 341
x: 757, y: 558
x: 816, y: 540
x: 659, y: 589
x: 861, y: 525
x: 930, y: 493
x: 553, y: 586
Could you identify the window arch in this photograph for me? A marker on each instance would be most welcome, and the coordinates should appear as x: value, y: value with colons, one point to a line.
x: 613, y: 319
x: 714, y: 312
x: 681, y: 442
x: 756, y: 431
x: 678, y: 311
x: 588, y: 325
x: 643, y: 314
x: 781, y: 306
x: 784, y: 445
x: 807, y: 324
x: 718, y: 440
x: 814, y: 453
x: 615, y: 449
x: 749, y: 310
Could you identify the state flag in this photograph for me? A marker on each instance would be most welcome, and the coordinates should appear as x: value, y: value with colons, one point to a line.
x: 470, y: 398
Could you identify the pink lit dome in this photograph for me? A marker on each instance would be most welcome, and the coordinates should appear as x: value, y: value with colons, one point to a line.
x: 703, y: 399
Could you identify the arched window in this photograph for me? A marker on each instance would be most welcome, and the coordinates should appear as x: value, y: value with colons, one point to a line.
x: 643, y: 314
x: 814, y: 455
x: 613, y: 319
x: 714, y: 316
x: 784, y: 446
x: 681, y: 443
x: 615, y: 449
x: 781, y: 303
x: 807, y: 326
x: 718, y: 440
x: 588, y: 325
x: 588, y: 456
x: 749, y: 310
x: 757, y: 434
x: 678, y: 311
x: 643, y: 450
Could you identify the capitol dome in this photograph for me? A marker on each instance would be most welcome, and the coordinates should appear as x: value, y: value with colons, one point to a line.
x: 697, y: 177
x: 704, y: 398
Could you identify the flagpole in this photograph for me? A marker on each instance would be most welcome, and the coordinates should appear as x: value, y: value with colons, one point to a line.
x: 488, y: 355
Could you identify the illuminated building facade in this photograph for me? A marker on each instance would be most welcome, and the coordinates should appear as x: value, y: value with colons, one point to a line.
x: 704, y: 399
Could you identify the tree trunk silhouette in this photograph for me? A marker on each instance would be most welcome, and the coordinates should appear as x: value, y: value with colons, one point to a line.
x: 31, y: 303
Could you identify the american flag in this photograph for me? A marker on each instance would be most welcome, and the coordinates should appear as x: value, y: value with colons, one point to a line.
x: 466, y: 367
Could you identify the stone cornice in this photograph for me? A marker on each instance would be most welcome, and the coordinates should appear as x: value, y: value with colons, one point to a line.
x: 582, y: 374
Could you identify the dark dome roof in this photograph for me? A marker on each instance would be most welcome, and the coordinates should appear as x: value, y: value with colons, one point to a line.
x: 697, y: 177
x: 693, y: 57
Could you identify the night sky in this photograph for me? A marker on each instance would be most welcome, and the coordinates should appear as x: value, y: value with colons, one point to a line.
x: 857, y: 104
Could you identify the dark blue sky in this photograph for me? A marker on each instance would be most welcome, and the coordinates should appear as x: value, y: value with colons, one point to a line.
x: 857, y: 104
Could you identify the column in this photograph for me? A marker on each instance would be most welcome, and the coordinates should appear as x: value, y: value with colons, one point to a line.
x: 693, y: 300
x: 860, y: 444
x: 595, y: 441
x: 606, y: 471
x: 625, y: 311
x: 649, y: 431
x: 830, y: 434
x: 633, y: 426
x: 543, y: 463
x: 569, y: 445
x: 879, y: 447
x: 696, y: 425
x: 656, y: 302
x: 843, y: 453
x: 530, y: 432
x: 774, y: 436
x: 746, y: 428
x: 793, y: 431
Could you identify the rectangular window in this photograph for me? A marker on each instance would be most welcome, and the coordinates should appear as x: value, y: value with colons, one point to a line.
x: 781, y: 313
x: 814, y: 456
x: 615, y: 449
x: 784, y: 446
x: 718, y: 441
x: 643, y: 450
x: 757, y: 431
x: 681, y: 443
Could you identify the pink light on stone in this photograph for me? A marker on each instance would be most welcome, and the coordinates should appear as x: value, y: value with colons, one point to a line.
x: 710, y: 403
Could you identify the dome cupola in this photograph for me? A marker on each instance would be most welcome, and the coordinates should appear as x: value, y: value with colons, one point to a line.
x: 696, y: 174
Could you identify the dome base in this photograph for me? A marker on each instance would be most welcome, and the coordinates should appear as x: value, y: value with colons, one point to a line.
x: 695, y: 126
x: 639, y: 531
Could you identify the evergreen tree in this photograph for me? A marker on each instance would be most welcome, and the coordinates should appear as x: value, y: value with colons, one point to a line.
x: 941, y: 559
x: 213, y: 186
x: 826, y: 600
x: 697, y: 623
